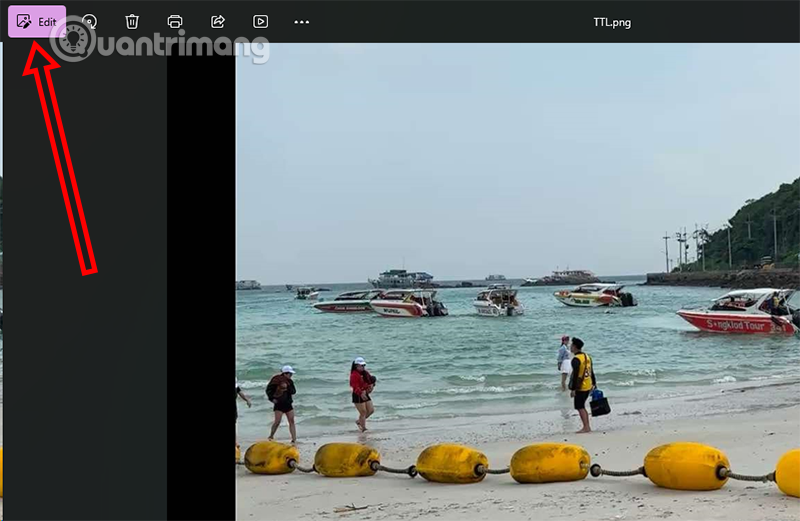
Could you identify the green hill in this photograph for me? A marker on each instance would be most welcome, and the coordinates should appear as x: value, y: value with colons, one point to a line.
x: 747, y: 249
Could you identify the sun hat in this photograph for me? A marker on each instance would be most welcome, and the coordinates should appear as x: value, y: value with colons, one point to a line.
x: 360, y: 361
x: 287, y: 369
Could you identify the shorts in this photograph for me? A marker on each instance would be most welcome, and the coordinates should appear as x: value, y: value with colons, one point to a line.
x: 566, y: 367
x: 358, y: 399
x: 283, y: 407
x: 580, y: 399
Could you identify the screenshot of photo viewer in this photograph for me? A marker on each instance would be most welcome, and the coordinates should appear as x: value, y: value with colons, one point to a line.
x: 476, y: 171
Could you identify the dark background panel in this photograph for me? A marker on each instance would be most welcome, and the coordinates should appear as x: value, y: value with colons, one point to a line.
x: 85, y: 401
x: 202, y: 243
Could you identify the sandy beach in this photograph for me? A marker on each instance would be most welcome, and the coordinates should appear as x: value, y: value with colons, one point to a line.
x: 753, y: 424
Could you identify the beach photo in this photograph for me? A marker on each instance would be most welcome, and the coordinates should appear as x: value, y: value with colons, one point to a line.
x: 528, y: 281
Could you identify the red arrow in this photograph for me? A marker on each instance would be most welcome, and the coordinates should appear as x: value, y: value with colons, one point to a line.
x: 51, y: 64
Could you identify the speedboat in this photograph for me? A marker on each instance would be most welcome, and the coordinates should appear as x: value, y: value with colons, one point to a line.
x: 350, y: 302
x: 306, y: 293
x: 409, y: 303
x: 498, y: 300
x: 747, y: 311
x: 596, y: 295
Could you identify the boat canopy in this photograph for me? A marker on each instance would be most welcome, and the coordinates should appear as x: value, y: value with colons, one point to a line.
x: 599, y: 287
x: 752, y: 294
x: 402, y: 293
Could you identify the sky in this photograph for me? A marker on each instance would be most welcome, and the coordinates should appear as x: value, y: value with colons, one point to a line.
x: 464, y: 160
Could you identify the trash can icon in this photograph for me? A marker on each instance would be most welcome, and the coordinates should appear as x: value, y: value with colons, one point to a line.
x: 132, y: 21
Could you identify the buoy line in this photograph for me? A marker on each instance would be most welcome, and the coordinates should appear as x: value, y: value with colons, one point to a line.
x: 677, y: 466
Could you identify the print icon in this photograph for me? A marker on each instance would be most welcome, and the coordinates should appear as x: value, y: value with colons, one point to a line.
x: 174, y: 21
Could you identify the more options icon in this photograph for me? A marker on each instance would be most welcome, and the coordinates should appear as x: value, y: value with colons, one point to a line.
x: 260, y: 21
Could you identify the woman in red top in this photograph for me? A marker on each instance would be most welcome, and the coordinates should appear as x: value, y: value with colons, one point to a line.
x: 362, y: 383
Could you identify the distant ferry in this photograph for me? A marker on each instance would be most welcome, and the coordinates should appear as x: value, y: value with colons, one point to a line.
x: 495, y: 277
x: 395, y: 279
x: 247, y: 284
x: 563, y: 278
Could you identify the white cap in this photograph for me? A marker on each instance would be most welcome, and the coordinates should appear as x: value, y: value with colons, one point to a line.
x: 359, y: 361
x: 287, y: 369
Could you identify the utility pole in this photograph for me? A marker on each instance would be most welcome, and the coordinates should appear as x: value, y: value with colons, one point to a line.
x: 730, y: 257
x: 696, y: 243
x: 685, y: 247
x: 775, y: 233
x: 749, y: 222
x: 666, y: 248
x: 680, y: 247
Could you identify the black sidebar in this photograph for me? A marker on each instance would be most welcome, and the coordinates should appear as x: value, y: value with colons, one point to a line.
x: 201, y: 122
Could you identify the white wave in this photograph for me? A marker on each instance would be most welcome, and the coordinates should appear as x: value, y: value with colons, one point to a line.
x: 725, y: 380
x: 416, y: 405
x: 472, y: 378
x: 470, y: 390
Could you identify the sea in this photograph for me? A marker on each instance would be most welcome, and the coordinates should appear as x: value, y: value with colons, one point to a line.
x: 464, y: 365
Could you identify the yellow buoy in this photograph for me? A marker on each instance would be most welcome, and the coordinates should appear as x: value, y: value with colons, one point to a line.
x: 550, y: 462
x: 448, y: 463
x: 238, y: 454
x: 345, y: 460
x: 685, y: 466
x: 270, y: 457
x: 787, y: 473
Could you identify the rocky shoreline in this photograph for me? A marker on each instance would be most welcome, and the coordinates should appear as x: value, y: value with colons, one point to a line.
x: 742, y: 279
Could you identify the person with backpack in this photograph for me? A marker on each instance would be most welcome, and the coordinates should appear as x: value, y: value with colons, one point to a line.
x: 362, y: 384
x: 280, y: 391
x: 582, y: 381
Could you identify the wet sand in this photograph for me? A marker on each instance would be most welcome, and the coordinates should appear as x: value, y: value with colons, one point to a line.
x: 753, y: 424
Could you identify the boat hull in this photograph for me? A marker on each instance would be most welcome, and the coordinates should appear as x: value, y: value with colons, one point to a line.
x: 744, y: 323
x: 586, y: 300
x: 395, y: 309
x: 491, y: 310
x: 353, y: 306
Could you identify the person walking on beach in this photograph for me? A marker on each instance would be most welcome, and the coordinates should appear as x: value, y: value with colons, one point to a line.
x: 582, y: 381
x: 564, y: 366
x: 240, y: 394
x: 362, y: 384
x: 279, y: 391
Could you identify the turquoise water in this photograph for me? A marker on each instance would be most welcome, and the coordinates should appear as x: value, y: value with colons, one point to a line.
x: 465, y: 365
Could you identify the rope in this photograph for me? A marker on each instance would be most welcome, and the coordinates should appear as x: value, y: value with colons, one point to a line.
x: 480, y: 470
x: 723, y: 472
x: 293, y: 464
x: 411, y: 470
x: 597, y: 471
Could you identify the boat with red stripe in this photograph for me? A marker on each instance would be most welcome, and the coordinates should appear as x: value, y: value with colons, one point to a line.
x: 350, y: 302
x: 751, y: 311
x: 409, y: 303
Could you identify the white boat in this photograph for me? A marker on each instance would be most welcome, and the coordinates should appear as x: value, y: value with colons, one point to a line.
x: 306, y: 293
x: 596, y: 295
x: 409, y: 303
x: 350, y: 302
x: 748, y: 311
x: 498, y: 300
